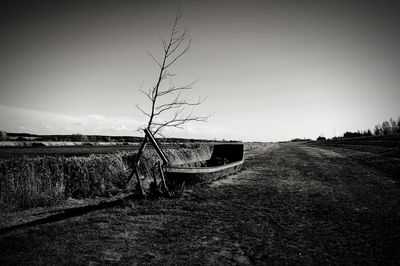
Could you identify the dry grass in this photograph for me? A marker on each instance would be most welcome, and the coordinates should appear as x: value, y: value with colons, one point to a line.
x: 27, y: 182
x: 39, y: 181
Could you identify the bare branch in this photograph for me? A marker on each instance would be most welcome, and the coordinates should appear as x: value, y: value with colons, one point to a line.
x: 180, y: 54
x: 167, y: 74
x: 177, y: 42
x: 140, y: 109
x: 164, y: 43
x: 155, y: 60
x: 173, y: 89
x: 178, y: 103
x: 148, y: 94
x: 178, y: 122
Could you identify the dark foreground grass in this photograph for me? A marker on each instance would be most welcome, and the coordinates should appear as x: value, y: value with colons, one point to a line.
x: 292, y: 205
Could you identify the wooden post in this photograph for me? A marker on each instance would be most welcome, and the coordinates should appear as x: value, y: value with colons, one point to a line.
x: 163, y: 158
x: 156, y: 146
x: 135, y: 171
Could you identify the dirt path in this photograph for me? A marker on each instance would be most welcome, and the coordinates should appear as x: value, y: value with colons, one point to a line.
x: 291, y: 204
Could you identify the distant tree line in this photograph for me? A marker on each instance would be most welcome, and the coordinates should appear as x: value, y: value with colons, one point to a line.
x: 4, y: 136
x: 300, y: 140
x: 390, y: 127
x: 358, y: 133
x: 74, y: 137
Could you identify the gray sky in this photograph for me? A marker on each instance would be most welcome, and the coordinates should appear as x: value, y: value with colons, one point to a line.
x: 271, y: 70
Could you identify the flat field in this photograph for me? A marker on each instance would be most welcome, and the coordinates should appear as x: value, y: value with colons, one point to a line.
x: 379, y: 152
x: 79, y: 150
x: 13, y: 152
x: 294, y: 203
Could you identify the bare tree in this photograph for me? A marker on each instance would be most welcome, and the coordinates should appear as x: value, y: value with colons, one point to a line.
x: 377, y: 130
x: 393, y: 125
x: 3, y: 136
x: 168, y: 108
x: 398, y: 125
x: 386, y: 129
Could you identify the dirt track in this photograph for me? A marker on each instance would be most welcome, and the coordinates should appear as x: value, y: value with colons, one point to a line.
x: 291, y: 204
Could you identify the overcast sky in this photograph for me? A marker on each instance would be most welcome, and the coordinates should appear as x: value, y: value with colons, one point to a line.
x: 271, y: 70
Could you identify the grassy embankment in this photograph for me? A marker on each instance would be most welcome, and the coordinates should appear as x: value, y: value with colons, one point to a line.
x: 47, y: 180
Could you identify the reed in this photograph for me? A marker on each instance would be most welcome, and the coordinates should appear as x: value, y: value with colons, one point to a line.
x: 28, y: 182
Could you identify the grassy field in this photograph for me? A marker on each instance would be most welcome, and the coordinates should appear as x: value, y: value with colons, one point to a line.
x: 292, y: 204
x: 78, y: 150
x: 13, y: 152
x: 379, y: 152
